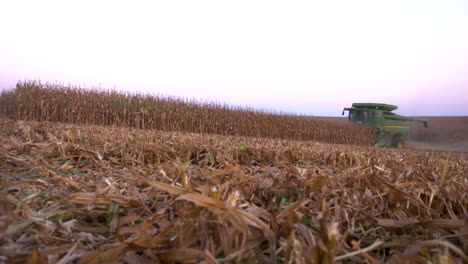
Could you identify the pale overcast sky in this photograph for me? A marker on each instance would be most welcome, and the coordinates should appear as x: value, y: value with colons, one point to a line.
x: 307, y: 57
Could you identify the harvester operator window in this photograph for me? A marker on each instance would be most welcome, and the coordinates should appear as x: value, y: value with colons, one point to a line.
x: 359, y: 117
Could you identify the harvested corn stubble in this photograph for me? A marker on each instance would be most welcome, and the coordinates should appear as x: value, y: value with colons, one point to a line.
x: 96, y: 194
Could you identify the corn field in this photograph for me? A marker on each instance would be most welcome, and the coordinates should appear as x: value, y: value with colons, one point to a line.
x: 101, y: 194
x: 35, y: 101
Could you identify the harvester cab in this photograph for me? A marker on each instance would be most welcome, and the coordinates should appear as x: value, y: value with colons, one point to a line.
x: 391, y: 129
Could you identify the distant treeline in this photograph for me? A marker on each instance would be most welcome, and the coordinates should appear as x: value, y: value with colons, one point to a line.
x: 34, y: 100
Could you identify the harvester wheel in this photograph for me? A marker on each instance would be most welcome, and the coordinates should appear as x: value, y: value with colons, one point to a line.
x: 398, y: 141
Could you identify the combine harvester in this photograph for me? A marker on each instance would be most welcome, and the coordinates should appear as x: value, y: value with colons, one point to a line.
x: 391, y: 129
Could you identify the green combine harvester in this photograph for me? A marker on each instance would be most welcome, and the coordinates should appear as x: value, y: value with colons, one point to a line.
x: 391, y: 129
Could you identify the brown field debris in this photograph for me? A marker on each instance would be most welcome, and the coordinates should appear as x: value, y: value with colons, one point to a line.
x: 98, y: 194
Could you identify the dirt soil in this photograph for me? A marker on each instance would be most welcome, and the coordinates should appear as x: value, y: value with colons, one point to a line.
x: 446, y: 133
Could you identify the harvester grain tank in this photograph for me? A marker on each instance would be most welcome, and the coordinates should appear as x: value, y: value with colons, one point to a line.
x: 391, y: 129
